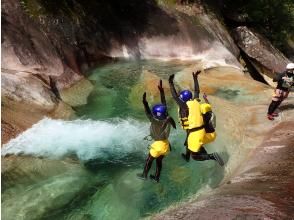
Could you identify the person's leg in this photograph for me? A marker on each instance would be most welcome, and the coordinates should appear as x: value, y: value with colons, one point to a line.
x: 202, y: 155
x: 273, y: 106
x: 209, y: 137
x: 186, y: 156
x: 276, y: 101
x: 147, y: 167
x: 194, y: 143
x: 158, y: 169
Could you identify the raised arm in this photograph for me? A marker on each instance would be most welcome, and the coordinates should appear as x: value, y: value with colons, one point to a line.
x: 146, y: 107
x: 196, y: 84
x: 174, y: 92
x: 184, y: 110
x: 205, y: 98
x: 172, y: 122
x: 161, y: 90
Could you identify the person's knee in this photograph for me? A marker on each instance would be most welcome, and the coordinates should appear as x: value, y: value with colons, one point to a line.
x: 197, y: 156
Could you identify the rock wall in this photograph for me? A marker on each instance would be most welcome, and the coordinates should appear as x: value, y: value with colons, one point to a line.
x: 266, y: 59
x: 53, y: 45
x: 47, y: 48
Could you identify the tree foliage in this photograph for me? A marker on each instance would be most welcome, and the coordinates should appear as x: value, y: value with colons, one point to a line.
x: 273, y: 18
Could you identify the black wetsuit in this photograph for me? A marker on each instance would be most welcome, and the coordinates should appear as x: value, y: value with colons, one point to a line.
x: 285, y: 81
x: 184, y: 112
x: 159, y: 130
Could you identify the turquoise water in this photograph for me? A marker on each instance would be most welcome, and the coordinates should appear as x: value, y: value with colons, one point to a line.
x: 86, y: 168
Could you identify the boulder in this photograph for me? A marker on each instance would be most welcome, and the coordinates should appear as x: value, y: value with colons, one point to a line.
x: 26, y: 99
x: 266, y: 59
x: 26, y: 47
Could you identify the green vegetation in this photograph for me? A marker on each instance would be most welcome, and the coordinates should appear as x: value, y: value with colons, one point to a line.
x: 167, y: 2
x: 273, y: 18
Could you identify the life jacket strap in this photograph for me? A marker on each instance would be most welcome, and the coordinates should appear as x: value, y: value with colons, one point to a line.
x: 190, y: 131
x: 185, y: 122
x: 195, y: 129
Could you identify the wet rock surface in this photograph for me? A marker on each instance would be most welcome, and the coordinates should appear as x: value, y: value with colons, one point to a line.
x: 26, y: 99
x: 41, y: 46
x: 262, y: 188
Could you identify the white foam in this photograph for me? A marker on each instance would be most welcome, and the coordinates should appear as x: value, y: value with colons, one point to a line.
x: 85, y: 138
x: 179, y: 48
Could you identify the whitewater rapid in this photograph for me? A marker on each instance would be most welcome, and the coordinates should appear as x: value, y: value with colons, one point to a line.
x: 86, y: 139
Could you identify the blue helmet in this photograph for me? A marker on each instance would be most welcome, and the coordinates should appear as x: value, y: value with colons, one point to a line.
x: 159, y: 111
x: 185, y: 95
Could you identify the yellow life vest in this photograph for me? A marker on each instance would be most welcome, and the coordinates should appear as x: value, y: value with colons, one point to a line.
x: 195, y: 119
x: 205, y: 107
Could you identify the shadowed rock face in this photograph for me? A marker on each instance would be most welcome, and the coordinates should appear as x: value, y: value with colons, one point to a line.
x: 266, y: 59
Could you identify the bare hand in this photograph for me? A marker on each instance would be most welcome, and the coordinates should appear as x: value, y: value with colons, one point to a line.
x: 195, y: 74
x: 160, y: 86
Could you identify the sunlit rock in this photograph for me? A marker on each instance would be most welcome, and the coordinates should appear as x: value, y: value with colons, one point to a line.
x: 262, y: 55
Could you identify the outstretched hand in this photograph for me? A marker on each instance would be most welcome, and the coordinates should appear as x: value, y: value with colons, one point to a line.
x: 160, y: 86
x: 171, y: 78
x: 195, y: 74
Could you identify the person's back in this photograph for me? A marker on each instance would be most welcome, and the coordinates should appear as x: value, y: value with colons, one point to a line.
x: 194, y: 118
x: 160, y: 129
x: 193, y: 115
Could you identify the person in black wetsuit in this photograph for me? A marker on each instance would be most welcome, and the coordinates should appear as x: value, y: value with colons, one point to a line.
x: 285, y: 84
x: 159, y: 131
x: 195, y: 119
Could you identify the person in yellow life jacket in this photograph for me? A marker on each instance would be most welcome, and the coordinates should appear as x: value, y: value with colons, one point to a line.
x: 196, y: 120
x: 159, y: 131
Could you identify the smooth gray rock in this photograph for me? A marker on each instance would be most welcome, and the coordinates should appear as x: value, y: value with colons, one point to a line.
x: 266, y: 59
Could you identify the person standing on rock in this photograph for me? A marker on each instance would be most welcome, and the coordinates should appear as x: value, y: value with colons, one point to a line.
x: 285, y: 82
x: 197, y: 120
x: 159, y: 131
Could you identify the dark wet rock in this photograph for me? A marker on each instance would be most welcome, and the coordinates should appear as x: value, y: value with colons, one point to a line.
x: 266, y: 59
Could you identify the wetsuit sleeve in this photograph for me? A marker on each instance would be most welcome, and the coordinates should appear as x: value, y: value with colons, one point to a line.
x: 162, y: 95
x: 184, y: 111
x: 278, y: 77
x: 174, y: 92
x: 172, y: 122
x: 196, y: 85
x: 146, y: 107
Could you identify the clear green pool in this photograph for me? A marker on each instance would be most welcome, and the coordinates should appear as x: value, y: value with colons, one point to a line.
x: 86, y: 168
